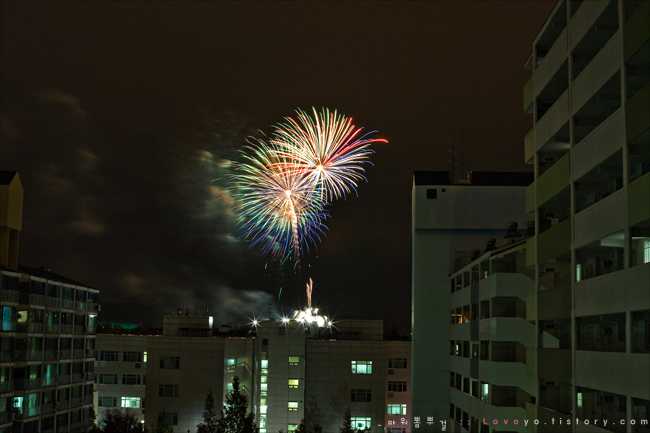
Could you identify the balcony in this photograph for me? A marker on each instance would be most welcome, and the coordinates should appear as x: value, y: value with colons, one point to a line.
x: 75, y: 426
x: 36, y: 328
x: 49, y: 381
x: 48, y: 408
x: 63, y: 379
x: 78, y: 354
x: 53, y: 302
x: 27, y: 384
x: 6, y: 386
x: 62, y: 405
x: 63, y: 428
x: 29, y: 355
x: 8, y: 326
x: 87, y: 399
x: 79, y: 329
x: 51, y: 328
x: 77, y: 377
x: 6, y: 417
x: 637, y: 113
x: 9, y: 296
x: 554, y: 241
x: 553, y: 181
x: 66, y: 328
x: 6, y: 356
x: 65, y: 354
x: 50, y: 355
x: 91, y: 330
x: 67, y: 304
x: 637, y: 200
x: 76, y: 402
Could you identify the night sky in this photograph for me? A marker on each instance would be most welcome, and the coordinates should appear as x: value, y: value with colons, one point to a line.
x: 119, y: 117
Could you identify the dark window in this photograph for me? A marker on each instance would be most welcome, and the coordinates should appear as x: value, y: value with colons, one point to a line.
x: 360, y: 395
x: 432, y: 193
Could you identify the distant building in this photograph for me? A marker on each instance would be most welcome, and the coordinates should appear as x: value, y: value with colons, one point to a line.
x: 289, y: 372
x: 47, y: 341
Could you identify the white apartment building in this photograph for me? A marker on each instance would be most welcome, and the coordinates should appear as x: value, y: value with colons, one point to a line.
x: 288, y: 371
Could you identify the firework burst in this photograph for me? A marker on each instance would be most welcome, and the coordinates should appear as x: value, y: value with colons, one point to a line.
x: 284, y: 183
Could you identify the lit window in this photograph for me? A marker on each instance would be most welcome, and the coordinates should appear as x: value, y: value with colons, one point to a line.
x: 294, y: 360
x: 263, y: 378
x: 265, y: 363
x: 362, y: 367
x: 264, y: 387
x: 144, y: 357
x: 293, y: 383
x: 263, y: 409
x: 292, y: 406
x: 130, y: 402
x: 646, y: 250
x: 292, y: 427
x: 396, y: 409
x: 360, y: 422
x: 579, y: 399
x: 578, y: 272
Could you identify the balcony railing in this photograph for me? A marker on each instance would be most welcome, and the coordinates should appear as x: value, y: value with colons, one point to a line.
x: 80, y: 305
x: 79, y: 329
x: 37, y: 300
x: 47, y: 408
x: 51, y: 328
x: 5, y: 417
x: 77, y: 377
x: 63, y: 428
x: 76, y: 402
x: 33, y: 411
x: 49, y: 381
x: 66, y: 329
x: 68, y: 304
x: 27, y: 383
x: 28, y: 355
x: 88, y: 399
x: 78, y: 353
x: 6, y: 356
x: 8, y: 326
x: 7, y: 386
x: 91, y: 306
x: 62, y: 405
x: 88, y: 422
x: 65, y: 354
x: 90, y: 330
x: 63, y: 379
x: 36, y: 327
x: 53, y: 302
x: 50, y: 355
x: 9, y: 296
x: 90, y: 353
x: 75, y: 426
x: 89, y: 377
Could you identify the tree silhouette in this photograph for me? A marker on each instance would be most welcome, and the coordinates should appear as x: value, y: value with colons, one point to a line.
x: 234, y: 418
x: 210, y: 419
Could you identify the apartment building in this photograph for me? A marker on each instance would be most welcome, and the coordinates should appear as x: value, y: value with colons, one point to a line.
x: 288, y: 371
x: 589, y: 96
x: 47, y: 341
x: 451, y: 216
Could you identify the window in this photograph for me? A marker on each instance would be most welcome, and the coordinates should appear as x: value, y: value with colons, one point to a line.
x: 294, y: 360
x: 107, y: 401
x: 360, y: 422
x: 362, y: 367
x: 168, y: 390
x: 361, y: 395
x: 108, y: 379
x: 144, y: 357
x: 292, y: 427
x: 397, y: 386
x: 432, y: 194
x: 396, y: 409
x: 109, y: 355
x: 131, y: 379
x: 170, y: 362
x: 131, y: 402
x: 396, y: 362
x: 265, y: 363
x: 132, y: 356
x: 292, y: 406
x: 171, y: 417
x: 293, y: 383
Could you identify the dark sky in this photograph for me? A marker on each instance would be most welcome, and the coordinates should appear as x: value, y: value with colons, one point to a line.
x: 119, y: 115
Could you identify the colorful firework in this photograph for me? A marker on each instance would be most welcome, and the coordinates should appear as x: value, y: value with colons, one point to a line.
x: 284, y: 184
x: 325, y: 149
